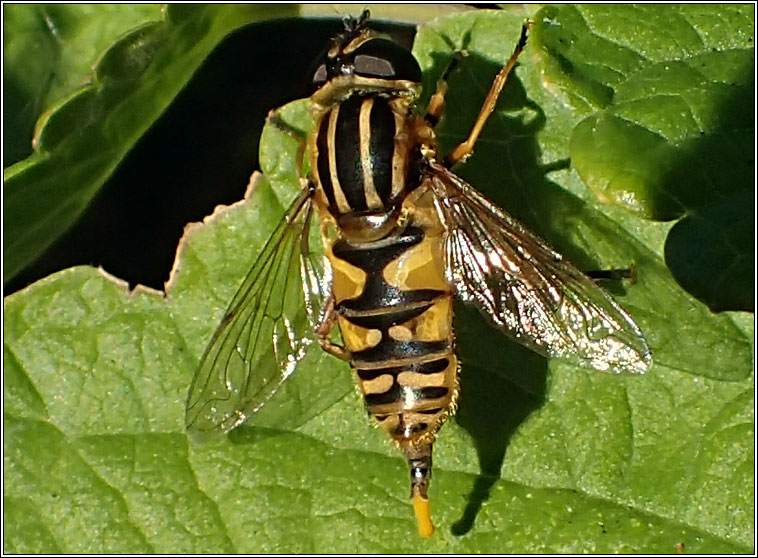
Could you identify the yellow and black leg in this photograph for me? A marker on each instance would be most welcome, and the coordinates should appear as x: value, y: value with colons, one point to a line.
x: 437, y: 101
x: 324, y: 330
x: 465, y: 148
x: 275, y: 119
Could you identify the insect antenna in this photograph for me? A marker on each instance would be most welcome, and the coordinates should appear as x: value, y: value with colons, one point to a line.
x: 353, y: 26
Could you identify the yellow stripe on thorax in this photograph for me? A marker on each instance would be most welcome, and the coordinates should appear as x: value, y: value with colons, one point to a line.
x: 331, y: 138
x: 403, y: 142
x: 373, y: 201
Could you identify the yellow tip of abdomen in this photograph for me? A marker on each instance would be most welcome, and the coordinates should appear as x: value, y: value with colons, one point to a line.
x: 423, y: 516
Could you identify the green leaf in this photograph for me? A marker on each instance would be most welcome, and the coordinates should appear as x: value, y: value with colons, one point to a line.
x: 82, y: 138
x: 541, y: 457
x: 716, y: 237
x: 681, y: 93
x: 49, y: 51
x: 669, y: 98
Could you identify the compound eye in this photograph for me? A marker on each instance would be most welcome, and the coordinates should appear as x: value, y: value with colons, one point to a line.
x: 382, y: 58
x: 367, y: 65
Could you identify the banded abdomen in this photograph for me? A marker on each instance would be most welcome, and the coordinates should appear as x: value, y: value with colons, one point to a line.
x: 394, y: 308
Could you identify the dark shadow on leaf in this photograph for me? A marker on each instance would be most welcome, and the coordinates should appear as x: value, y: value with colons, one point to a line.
x: 711, y: 250
x: 706, y: 180
x: 710, y: 185
x: 502, y: 383
x: 244, y: 434
x: 711, y: 253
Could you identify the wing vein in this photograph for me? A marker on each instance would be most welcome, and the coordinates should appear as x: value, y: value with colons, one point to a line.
x: 265, y: 331
x: 526, y: 288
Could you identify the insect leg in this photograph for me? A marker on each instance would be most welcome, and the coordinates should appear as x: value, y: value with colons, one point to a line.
x: 465, y: 148
x: 324, y: 329
x: 275, y: 119
x: 612, y: 274
x: 437, y: 101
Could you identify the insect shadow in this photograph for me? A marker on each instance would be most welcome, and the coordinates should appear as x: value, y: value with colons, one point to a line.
x: 501, y: 382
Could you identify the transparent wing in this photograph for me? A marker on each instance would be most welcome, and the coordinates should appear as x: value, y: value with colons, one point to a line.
x: 527, y: 289
x: 266, y: 330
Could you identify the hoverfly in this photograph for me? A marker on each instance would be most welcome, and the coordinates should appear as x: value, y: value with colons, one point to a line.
x: 402, y: 235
